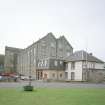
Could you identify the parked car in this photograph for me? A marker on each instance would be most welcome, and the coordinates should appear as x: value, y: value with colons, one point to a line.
x: 1, y: 77
x: 24, y: 77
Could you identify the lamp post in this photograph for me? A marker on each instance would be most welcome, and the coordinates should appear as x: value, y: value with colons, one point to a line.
x: 30, y: 69
x: 29, y: 87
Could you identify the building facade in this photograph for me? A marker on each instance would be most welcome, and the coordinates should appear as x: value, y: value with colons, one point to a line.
x: 1, y: 63
x: 44, y: 59
x: 52, y: 58
x: 82, y: 66
x: 10, y: 61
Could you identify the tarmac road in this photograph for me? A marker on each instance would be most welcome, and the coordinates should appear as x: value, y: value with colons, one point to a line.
x: 40, y: 84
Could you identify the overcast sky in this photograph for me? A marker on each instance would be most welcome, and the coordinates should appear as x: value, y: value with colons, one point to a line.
x: 82, y: 22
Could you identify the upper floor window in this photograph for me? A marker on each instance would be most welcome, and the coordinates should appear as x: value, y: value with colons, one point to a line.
x: 53, y: 75
x: 60, y: 46
x: 28, y: 53
x: 61, y: 75
x: 43, y: 43
x: 72, y: 65
x: 55, y: 63
x: 66, y: 66
x: 84, y: 64
x: 52, y: 44
x: 68, y: 53
x: 34, y: 51
x: 68, y: 48
x: 61, y: 62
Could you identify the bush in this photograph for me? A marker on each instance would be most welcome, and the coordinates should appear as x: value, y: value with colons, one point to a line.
x: 28, y: 88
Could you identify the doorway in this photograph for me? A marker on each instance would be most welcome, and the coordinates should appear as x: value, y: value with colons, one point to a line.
x: 39, y: 74
x: 72, y: 76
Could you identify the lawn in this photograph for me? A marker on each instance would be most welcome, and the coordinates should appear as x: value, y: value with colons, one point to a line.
x: 45, y: 96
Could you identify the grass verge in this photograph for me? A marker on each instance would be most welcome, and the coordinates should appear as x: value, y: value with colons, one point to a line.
x: 45, y: 96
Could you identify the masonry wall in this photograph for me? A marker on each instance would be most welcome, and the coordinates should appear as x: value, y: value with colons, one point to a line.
x: 53, y: 75
x: 43, y: 54
x: 10, y: 62
x: 77, y: 71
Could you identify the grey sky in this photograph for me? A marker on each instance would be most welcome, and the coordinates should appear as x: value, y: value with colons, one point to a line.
x: 82, y: 22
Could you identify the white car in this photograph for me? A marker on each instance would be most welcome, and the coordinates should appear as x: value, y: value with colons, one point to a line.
x: 0, y: 77
x: 24, y: 77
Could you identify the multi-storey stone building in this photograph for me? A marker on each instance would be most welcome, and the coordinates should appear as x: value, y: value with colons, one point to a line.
x: 48, y: 59
x: 44, y: 59
x: 1, y: 63
x: 10, y: 62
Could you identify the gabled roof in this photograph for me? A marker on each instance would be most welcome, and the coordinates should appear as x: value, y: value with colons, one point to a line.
x: 83, y: 56
x: 50, y: 34
x: 63, y: 38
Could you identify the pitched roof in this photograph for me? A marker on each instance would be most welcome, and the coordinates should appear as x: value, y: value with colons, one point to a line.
x: 63, y: 38
x: 50, y: 34
x: 82, y: 56
x: 13, y: 49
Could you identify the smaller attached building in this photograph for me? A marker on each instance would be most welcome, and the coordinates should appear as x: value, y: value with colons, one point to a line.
x: 82, y: 66
x: 1, y: 63
x: 50, y: 69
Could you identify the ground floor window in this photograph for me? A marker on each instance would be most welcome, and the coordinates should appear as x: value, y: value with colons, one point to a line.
x: 72, y: 75
x: 61, y: 75
x: 45, y: 76
x: 66, y: 75
x: 53, y: 75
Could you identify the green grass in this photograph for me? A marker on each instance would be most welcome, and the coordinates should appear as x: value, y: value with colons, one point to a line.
x: 53, y: 97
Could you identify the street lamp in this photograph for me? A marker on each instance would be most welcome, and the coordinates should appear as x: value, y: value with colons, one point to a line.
x: 29, y: 87
x: 30, y: 69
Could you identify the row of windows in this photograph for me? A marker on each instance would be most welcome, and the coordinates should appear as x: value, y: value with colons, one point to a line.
x: 72, y: 66
x: 85, y: 65
x: 54, y: 75
x: 88, y: 65
x: 43, y: 63
x: 56, y: 63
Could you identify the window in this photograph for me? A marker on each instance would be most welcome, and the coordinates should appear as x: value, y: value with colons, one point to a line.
x: 72, y: 65
x: 52, y: 45
x: 84, y: 64
x: 68, y: 53
x: 61, y: 75
x: 28, y: 53
x: 55, y: 63
x: 61, y: 62
x: 53, y: 75
x: 66, y: 66
x: 60, y: 46
x: 34, y: 51
x: 45, y: 76
x: 72, y: 75
x: 93, y: 65
x: 43, y: 43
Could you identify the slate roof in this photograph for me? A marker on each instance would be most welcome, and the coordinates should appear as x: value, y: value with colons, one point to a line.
x: 13, y: 49
x: 82, y: 56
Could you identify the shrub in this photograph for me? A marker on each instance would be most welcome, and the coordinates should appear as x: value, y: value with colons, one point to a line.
x: 28, y: 88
